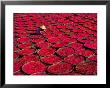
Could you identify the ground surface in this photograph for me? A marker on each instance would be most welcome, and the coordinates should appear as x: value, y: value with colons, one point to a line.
x: 68, y: 46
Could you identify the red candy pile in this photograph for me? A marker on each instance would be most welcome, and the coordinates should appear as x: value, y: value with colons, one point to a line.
x: 68, y: 46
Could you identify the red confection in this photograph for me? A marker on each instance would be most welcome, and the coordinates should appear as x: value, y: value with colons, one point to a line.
x: 58, y: 45
x: 22, y: 35
x: 59, y: 26
x: 16, y: 56
x: 60, y: 68
x: 80, y: 36
x: 27, y: 45
x: 17, y: 66
x: 65, y: 51
x: 92, y: 33
x: 60, y: 20
x: 46, y: 51
x: 84, y: 52
x: 19, y: 31
x: 87, y: 68
x: 83, y: 39
x: 29, y: 58
x: 93, y: 58
x: 51, y: 59
x: 88, y: 53
x: 43, y: 44
x: 68, y: 40
x: 72, y: 40
x: 92, y: 38
x: 91, y: 44
x: 76, y: 46
x: 77, y: 30
x: 37, y: 40
x: 74, y: 59
x: 93, y: 28
x: 27, y: 51
x: 53, y: 40
x: 33, y: 67
x: 23, y: 40
x: 36, y: 37
x: 80, y: 51
x: 61, y: 37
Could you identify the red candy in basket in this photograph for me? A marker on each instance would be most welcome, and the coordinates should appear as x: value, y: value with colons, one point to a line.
x: 51, y: 59
x: 29, y: 58
x: 93, y: 58
x: 74, y: 59
x: 60, y: 68
x: 34, y: 67
x: 23, y: 40
x: 26, y: 51
x: 46, y: 51
x: 27, y: 45
x: 87, y: 68
x: 91, y: 44
x: 65, y: 51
